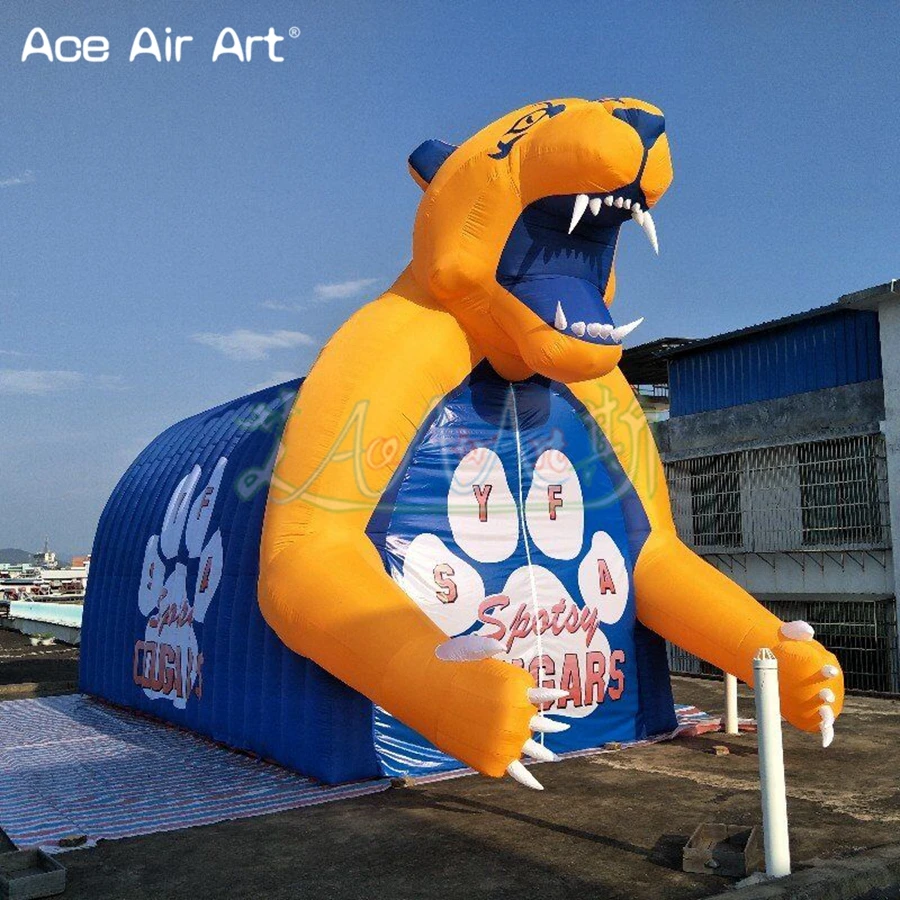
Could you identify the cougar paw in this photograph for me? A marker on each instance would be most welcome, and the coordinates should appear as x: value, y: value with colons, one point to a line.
x: 812, y: 687
x: 472, y: 648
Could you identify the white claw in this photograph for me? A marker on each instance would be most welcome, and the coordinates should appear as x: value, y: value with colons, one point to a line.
x: 827, y: 734
x: 637, y: 215
x: 540, y: 696
x: 468, y: 648
x: 578, y: 329
x: 595, y: 205
x: 543, y: 725
x: 560, y: 322
x: 830, y: 671
x: 517, y: 771
x: 826, y: 714
x: 608, y: 201
x: 827, y: 694
x: 649, y: 227
x: 538, y: 751
x: 581, y: 204
x: 797, y: 631
x: 624, y: 330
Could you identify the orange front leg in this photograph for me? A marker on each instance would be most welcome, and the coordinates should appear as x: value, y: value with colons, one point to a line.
x: 688, y: 602
x: 323, y: 587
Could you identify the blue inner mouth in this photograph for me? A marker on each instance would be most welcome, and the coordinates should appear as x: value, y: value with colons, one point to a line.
x: 543, y: 265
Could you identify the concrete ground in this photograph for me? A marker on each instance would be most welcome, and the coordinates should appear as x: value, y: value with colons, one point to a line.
x: 27, y: 671
x: 611, y: 826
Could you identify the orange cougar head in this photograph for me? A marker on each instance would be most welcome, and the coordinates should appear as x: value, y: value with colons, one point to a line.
x: 517, y: 230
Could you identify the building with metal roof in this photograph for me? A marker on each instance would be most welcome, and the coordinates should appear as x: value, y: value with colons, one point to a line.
x: 781, y: 445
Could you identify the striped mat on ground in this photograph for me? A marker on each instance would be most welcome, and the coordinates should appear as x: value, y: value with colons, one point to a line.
x: 73, y: 767
x: 70, y: 766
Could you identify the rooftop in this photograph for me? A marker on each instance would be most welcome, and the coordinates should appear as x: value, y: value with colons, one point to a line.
x: 770, y: 325
x: 610, y: 826
x: 648, y: 363
x: 868, y: 298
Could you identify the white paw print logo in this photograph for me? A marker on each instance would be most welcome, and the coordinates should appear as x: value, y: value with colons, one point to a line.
x: 180, y: 577
x: 535, y: 617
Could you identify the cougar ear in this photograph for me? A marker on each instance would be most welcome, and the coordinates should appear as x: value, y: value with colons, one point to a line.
x: 426, y: 159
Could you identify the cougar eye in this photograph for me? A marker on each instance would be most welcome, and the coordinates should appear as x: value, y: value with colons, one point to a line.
x: 525, y: 122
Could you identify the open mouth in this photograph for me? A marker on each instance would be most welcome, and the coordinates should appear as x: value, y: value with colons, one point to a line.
x: 559, y: 256
x: 634, y: 209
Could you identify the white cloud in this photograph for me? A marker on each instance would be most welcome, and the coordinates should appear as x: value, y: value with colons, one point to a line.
x: 322, y: 293
x: 244, y: 344
x: 25, y: 177
x: 37, y: 382
x: 342, y: 290
x: 12, y: 353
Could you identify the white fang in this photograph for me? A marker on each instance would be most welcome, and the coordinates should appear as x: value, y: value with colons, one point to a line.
x: 649, y: 227
x: 581, y: 204
x: 560, y: 322
x: 623, y: 330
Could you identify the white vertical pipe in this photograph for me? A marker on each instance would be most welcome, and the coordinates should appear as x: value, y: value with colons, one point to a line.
x: 771, y: 765
x: 731, y: 712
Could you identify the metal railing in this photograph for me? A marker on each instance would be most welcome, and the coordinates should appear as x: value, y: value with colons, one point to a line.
x: 656, y: 391
x: 861, y: 633
x: 825, y: 497
x: 819, y: 495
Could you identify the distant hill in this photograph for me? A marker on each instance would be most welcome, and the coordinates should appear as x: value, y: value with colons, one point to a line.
x: 12, y: 557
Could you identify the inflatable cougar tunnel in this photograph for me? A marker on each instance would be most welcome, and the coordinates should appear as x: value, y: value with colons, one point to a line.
x: 453, y: 543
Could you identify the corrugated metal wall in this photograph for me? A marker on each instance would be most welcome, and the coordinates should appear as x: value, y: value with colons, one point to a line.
x: 826, y: 351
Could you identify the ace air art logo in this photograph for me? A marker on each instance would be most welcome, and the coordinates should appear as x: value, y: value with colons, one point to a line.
x: 180, y: 577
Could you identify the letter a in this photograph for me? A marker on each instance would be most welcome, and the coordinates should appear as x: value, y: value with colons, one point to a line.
x: 221, y: 47
x: 137, y: 48
x: 43, y: 49
x: 607, y: 585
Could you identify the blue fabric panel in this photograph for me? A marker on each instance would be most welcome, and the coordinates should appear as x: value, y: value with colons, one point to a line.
x: 830, y: 350
x: 251, y: 693
x: 648, y: 125
x: 481, y: 414
x: 403, y: 752
x: 542, y: 264
x: 656, y: 704
x: 428, y: 157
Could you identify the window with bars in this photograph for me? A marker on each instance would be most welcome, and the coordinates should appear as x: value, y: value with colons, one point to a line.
x: 830, y: 494
x: 715, y: 485
x: 838, y: 495
x: 861, y: 632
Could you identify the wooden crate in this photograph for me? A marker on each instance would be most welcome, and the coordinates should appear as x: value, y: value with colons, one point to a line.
x: 734, y: 851
x: 30, y: 874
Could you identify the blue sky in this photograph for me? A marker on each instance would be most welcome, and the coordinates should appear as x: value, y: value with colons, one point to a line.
x: 174, y: 235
